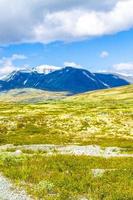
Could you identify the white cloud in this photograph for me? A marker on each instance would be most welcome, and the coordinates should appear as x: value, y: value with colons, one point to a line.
x: 17, y: 57
x: 71, y: 64
x: 104, y: 54
x: 5, y: 70
x: 7, y: 65
x: 51, y: 20
x: 46, y: 68
x: 124, y: 68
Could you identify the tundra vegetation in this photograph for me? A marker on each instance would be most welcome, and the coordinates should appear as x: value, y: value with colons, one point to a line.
x: 103, y: 118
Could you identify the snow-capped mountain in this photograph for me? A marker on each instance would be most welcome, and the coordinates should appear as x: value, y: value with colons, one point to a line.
x: 23, y: 79
x: 73, y: 80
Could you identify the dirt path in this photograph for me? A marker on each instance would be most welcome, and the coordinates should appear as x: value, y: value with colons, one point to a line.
x: 7, y: 191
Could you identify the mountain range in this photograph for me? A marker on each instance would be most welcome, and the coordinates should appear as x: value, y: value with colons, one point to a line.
x: 68, y: 79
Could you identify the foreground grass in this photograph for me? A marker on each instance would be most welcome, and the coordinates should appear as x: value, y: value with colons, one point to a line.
x: 60, y: 177
x: 102, y: 117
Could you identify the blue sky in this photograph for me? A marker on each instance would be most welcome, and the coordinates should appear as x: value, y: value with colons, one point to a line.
x: 61, y: 37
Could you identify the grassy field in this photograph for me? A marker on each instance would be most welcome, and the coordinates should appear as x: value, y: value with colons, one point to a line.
x: 103, y: 117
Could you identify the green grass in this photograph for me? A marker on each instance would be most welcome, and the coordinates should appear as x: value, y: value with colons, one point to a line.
x: 102, y: 117
x: 62, y: 177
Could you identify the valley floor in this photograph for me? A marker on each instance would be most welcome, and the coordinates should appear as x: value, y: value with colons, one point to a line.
x: 90, y: 151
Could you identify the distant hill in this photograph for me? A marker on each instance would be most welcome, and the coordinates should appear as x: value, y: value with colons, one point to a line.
x: 68, y: 79
x: 28, y: 95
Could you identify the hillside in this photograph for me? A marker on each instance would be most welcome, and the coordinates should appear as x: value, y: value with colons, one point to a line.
x: 122, y: 94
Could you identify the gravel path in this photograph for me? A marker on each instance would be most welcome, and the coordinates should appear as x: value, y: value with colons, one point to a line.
x: 90, y: 150
x: 7, y: 192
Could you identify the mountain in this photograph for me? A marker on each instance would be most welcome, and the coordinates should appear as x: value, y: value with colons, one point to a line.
x: 23, y: 79
x: 71, y: 79
x: 68, y: 79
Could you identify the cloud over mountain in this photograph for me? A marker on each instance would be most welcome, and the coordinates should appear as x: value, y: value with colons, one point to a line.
x: 7, y: 63
x: 51, y: 20
x: 124, y: 68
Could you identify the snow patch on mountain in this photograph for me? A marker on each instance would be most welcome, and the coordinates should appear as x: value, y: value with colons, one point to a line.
x: 85, y: 73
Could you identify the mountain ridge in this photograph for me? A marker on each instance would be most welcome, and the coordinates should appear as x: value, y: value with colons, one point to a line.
x: 68, y: 79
